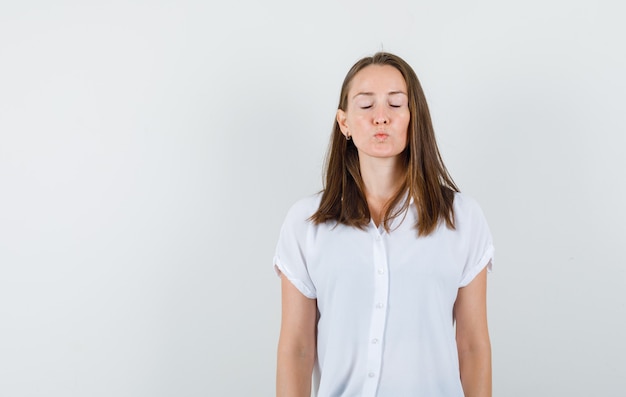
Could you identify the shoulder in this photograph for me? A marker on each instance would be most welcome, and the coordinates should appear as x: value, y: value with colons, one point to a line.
x: 303, y: 209
x: 306, y: 206
x: 466, y: 209
x: 464, y: 202
x: 296, y: 224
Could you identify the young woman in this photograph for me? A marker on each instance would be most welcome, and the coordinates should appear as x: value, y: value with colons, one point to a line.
x: 384, y: 272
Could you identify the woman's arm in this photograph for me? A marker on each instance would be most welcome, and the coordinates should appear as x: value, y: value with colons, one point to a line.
x: 296, y: 346
x: 472, y: 337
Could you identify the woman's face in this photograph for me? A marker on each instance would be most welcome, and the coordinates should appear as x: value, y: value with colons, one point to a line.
x: 377, y: 115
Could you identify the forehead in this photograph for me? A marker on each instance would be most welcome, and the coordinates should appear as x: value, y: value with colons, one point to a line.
x: 377, y: 78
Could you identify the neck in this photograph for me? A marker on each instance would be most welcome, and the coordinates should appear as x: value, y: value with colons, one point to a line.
x: 382, y: 179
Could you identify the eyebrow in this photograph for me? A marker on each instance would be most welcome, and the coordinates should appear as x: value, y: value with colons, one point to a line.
x: 367, y: 93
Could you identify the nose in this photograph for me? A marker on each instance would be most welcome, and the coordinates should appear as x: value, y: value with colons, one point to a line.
x: 381, y: 117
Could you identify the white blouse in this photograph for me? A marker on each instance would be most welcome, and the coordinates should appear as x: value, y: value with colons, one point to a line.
x: 385, y: 300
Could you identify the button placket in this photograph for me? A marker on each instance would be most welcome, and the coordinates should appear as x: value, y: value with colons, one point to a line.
x: 379, y: 314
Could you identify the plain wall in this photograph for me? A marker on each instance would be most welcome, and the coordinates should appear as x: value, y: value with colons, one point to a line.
x: 149, y: 151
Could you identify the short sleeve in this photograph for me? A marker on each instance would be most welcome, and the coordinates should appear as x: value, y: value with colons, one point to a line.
x: 290, y: 257
x: 477, y: 239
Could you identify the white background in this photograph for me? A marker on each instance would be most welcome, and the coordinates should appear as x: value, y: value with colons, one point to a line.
x: 149, y: 151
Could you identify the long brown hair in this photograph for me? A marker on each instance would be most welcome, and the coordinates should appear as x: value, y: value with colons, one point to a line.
x: 427, y: 180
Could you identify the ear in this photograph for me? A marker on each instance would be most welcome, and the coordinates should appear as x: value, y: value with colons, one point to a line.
x: 341, y: 120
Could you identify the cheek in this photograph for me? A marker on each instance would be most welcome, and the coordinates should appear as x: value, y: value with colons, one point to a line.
x: 405, y: 123
x: 359, y: 121
x: 406, y: 132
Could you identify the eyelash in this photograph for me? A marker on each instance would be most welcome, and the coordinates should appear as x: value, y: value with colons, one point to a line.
x: 393, y: 106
